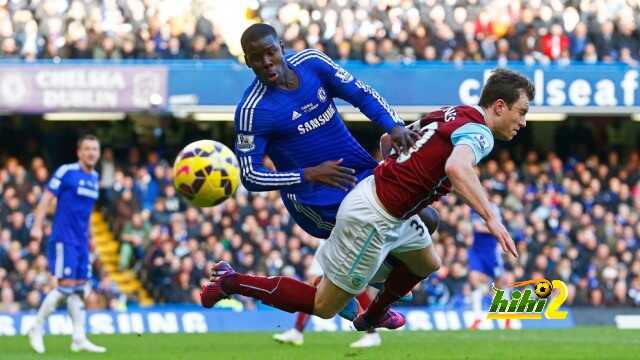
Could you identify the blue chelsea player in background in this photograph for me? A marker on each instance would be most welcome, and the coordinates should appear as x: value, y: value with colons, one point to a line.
x: 76, y: 188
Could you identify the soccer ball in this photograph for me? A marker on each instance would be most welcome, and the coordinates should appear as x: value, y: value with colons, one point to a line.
x: 206, y: 173
x: 543, y: 288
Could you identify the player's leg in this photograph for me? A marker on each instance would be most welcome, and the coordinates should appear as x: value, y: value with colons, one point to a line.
x: 281, y: 292
x: 418, y: 265
x: 372, y: 338
x: 330, y: 299
x: 295, y: 335
x: 485, y: 266
x: 383, y: 273
x: 411, y: 245
x: 75, y: 302
x: 348, y: 259
x: 58, y: 260
x: 480, y: 287
x: 358, y: 244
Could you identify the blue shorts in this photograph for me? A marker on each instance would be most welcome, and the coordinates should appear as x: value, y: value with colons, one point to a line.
x: 487, y: 262
x: 316, y: 220
x: 68, y: 261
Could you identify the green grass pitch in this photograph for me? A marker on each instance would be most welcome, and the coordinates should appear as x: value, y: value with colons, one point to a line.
x: 578, y: 343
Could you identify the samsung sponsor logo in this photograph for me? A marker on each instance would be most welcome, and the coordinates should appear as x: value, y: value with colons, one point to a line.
x: 112, y: 323
x: 420, y: 320
x: 196, y: 321
x: 87, y: 192
x: 317, y: 122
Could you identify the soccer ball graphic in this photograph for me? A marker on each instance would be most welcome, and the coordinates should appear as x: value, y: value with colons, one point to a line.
x: 543, y: 288
x: 206, y: 173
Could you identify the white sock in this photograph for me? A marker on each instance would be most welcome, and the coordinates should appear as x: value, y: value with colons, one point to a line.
x: 49, y: 305
x: 75, y: 305
x: 476, y: 299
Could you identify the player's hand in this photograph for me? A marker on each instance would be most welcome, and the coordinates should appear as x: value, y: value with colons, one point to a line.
x: 403, y: 138
x: 331, y: 173
x: 503, y: 236
x: 36, y: 233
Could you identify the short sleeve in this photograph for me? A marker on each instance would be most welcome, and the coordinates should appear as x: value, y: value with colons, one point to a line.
x: 478, y: 137
x: 56, y: 182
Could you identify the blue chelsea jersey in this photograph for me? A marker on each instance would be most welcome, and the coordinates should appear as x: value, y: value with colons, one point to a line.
x: 302, y: 128
x: 483, y: 240
x: 77, y: 191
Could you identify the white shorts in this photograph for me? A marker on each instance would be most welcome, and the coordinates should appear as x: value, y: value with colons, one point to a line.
x: 315, y: 270
x: 362, y: 238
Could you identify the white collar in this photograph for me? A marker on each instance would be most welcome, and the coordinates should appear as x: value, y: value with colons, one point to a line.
x: 481, y: 111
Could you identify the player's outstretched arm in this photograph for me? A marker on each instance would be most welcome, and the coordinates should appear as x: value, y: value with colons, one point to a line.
x: 40, y: 213
x: 345, y: 86
x: 253, y: 129
x: 256, y: 176
x: 461, y: 172
x: 251, y: 143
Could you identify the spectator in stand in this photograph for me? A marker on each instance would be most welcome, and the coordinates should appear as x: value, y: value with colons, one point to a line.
x: 554, y: 43
x: 399, y: 30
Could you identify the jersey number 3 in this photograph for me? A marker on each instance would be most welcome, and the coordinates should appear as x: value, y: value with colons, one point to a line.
x: 428, y: 131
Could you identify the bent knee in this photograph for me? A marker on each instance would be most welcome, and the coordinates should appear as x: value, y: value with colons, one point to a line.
x: 435, y: 266
x: 324, y: 313
x: 324, y: 309
x: 431, y: 265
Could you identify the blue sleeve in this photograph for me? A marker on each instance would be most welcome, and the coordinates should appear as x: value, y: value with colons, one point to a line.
x: 477, y: 219
x: 252, y: 138
x: 477, y: 137
x: 343, y: 85
x: 56, y: 183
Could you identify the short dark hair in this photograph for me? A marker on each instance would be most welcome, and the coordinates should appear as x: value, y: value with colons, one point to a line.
x: 256, y: 32
x: 84, y: 137
x: 506, y: 85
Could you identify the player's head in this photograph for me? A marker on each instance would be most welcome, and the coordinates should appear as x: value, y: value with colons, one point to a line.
x: 88, y: 150
x: 264, y: 52
x: 506, y: 97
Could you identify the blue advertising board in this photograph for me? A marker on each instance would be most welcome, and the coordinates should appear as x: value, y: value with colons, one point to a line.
x: 191, y: 319
x: 571, y: 88
x: 206, y: 85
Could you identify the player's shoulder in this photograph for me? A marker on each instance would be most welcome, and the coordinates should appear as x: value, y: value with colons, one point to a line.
x: 252, y: 107
x: 66, y: 169
x: 474, y: 112
x: 309, y: 58
x: 460, y: 116
x: 468, y: 113
x: 253, y: 95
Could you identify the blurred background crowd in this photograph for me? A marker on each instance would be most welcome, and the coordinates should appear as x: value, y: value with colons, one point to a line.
x: 372, y: 31
x: 575, y: 218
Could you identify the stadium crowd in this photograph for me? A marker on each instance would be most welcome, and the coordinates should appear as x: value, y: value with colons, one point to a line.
x: 539, y: 31
x: 108, y: 30
x: 574, y: 219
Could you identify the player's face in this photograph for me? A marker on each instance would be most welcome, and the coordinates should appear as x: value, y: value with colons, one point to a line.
x: 89, y: 153
x: 265, y: 58
x: 513, y: 118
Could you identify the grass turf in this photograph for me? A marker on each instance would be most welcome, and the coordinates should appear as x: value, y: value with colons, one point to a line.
x: 577, y: 343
